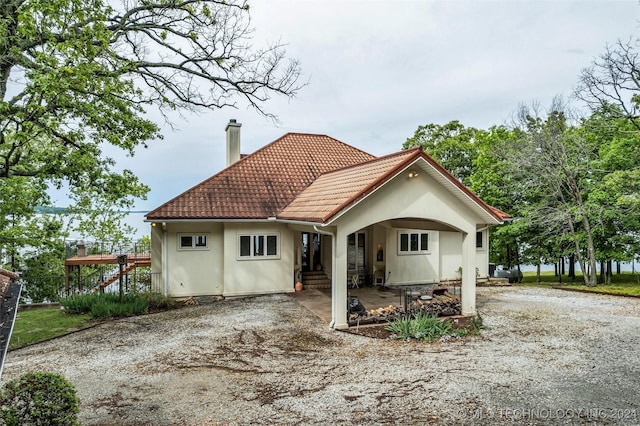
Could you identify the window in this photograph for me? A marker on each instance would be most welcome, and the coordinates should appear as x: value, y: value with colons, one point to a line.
x: 413, y: 242
x: 193, y: 241
x: 479, y: 239
x: 258, y: 246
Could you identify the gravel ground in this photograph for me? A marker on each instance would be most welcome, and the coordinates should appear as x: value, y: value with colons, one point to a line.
x: 549, y: 357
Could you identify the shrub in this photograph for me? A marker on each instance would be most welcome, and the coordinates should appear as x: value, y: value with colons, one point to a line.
x: 104, y: 305
x: 129, y: 307
x: 158, y: 302
x: 39, y: 399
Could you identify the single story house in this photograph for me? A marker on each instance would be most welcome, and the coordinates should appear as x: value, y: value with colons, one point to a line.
x: 309, y: 202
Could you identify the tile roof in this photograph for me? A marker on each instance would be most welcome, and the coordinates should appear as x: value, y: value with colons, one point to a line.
x: 335, y: 190
x: 261, y: 184
x: 302, y: 177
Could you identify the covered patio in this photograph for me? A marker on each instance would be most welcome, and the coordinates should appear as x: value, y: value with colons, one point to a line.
x: 372, y: 298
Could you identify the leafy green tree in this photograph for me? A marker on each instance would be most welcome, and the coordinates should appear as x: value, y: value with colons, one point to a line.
x: 77, y: 77
x: 20, y: 226
x: 98, y: 212
x: 553, y: 163
x: 614, y: 196
x: 451, y: 144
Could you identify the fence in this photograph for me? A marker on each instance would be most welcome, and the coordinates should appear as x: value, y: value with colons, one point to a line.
x: 99, y: 248
x: 51, y: 287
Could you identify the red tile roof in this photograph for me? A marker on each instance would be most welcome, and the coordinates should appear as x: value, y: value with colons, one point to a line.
x: 333, y: 191
x: 261, y: 184
x: 300, y: 177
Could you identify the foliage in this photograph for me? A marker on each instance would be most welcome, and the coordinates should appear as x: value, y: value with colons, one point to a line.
x: 611, y: 82
x: 452, y: 145
x: 35, y: 325
x: 104, y: 305
x: 157, y: 301
x: 421, y: 326
x: 77, y: 78
x: 39, y: 399
x: 130, y: 306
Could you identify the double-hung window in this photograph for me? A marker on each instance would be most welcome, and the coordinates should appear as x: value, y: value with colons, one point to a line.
x: 413, y: 242
x: 258, y: 246
x: 193, y: 241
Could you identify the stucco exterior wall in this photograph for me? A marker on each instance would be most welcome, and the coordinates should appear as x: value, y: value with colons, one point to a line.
x: 482, y: 256
x: 258, y: 276
x: 194, y: 272
x: 414, y: 268
x: 450, y: 255
x: 403, y: 197
x: 156, y: 249
x: 420, y: 197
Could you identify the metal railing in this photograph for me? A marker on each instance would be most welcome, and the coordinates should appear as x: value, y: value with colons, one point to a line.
x: 93, y: 248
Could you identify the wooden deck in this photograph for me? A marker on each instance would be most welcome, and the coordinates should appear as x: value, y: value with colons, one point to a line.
x: 140, y: 259
x: 133, y: 261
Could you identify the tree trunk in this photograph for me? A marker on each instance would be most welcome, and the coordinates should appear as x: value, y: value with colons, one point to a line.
x: 572, y: 266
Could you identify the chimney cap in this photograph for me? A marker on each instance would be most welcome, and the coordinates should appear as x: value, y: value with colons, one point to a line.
x: 233, y: 123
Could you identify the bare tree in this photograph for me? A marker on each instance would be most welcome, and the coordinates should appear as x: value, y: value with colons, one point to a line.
x: 612, y: 82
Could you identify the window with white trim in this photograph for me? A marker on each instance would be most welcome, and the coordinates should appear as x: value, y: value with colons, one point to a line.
x: 479, y: 240
x: 193, y: 241
x: 413, y: 242
x: 258, y: 246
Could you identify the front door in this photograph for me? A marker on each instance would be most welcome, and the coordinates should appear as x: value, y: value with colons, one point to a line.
x: 311, y: 252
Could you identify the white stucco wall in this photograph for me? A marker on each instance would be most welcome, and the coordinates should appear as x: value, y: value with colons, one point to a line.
x: 258, y: 276
x: 404, y: 198
x: 450, y: 255
x: 414, y: 268
x: 194, y: 272
x: 482, y: 256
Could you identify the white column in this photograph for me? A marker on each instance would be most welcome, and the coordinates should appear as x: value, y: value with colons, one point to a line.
x: 468, y: 298
x: 339, y: 283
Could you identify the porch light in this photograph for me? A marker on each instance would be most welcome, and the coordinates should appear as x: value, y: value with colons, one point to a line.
x: 413, y: 174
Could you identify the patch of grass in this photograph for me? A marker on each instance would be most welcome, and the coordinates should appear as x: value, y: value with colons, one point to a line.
x: 621, y: 289
x: 36, y: 325
x: 624, y: 284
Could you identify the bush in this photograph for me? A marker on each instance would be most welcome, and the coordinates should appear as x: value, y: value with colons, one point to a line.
x: 104, y: 305
x: 158, y: 302
x: 129, y: 307
x: 39, y: 399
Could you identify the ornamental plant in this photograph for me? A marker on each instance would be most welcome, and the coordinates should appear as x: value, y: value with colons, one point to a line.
x: 39, y: 398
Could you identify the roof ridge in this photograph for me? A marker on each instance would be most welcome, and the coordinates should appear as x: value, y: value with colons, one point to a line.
x: 373, y: 160
x: 229, y: 170
x: 380, y: 179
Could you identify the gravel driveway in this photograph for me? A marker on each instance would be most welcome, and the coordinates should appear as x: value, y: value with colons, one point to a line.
x: 549, y: 357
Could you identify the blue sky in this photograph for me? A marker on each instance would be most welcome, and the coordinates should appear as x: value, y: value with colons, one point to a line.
x: 379, y: 69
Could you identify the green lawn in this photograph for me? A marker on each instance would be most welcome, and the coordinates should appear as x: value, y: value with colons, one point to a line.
x: 625, y: 284
x: 36, y: 325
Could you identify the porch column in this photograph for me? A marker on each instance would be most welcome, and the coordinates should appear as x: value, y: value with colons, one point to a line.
x: 339, y: 283
x: 468, y: 297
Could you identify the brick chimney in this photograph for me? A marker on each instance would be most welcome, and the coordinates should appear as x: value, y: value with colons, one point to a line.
x: 233, y: 141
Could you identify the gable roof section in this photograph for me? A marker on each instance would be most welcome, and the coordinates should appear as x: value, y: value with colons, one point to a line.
x: 263, y: 183
x: 333, y: 192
